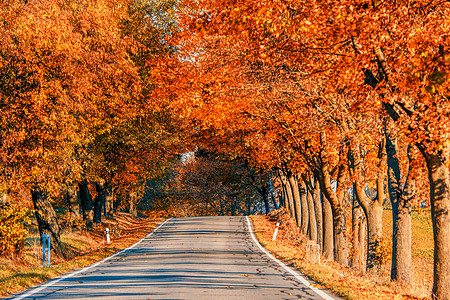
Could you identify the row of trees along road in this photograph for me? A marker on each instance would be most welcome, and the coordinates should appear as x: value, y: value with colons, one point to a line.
x: 335, y: 95
x: 211, y: 183
x: 77, y: 108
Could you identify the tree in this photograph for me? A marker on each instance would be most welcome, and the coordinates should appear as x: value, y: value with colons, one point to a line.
x: 398, y: 48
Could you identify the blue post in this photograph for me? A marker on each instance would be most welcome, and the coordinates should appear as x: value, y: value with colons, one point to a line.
x: 46, y: 249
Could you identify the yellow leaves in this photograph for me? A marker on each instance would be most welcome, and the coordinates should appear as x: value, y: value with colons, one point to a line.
x: 12, y: 230
x: 74, y: 80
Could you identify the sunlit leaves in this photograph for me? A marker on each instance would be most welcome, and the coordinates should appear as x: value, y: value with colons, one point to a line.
x: 65, y: 69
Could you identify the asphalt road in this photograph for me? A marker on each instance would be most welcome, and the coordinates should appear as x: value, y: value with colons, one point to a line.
x: 186, y: 258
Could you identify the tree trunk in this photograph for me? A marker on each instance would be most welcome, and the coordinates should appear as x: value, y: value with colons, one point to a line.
x: 265, y: 195
x: 233, y: 207
x: 47, y: 220
x: 72, y: 202
x: 340, y: 243
x: 132, y: 209
x: 401, y: 267
x: 249, y: 208
x: 319, y: 214
x: 401, y: 244
x: 296, y: 195
x: 283, y: 190
x: 109, y: 200
x: 99, y: 201
x: 132, y: 205
x: 304, y: 207
x: 328, y: 234
x: 289, y: 199
x: 86, y: 203
x: 358, y: 234
x: 272, y: 194
x: 314, y: 190
x: 281, y: 199
x: 438, y: 175
x: 374, y: 235
x: 362, y: 236
x: 312, y: 229
x: 373, y: 208
x: 336, y: 200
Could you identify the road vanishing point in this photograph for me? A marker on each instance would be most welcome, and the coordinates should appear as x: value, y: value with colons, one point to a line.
x: 186, y: 258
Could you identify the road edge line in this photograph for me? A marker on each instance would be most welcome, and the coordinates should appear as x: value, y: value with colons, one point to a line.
x: 71, y: 274
x: 292, y: 272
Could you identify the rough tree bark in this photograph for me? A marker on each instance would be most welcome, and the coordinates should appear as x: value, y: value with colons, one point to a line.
x: 132, y: 209
x: 47, y: 220
x: 437, y: 161
x: 109, y: 200
x: 304, y: 207
x: 438, y: 174
x: 87, y: 204
x: 272, y: 194
x: 281, y: 200
x: 289, y: 199
x: 328, y: 231
x: 314, y: 190
x: 312, y: 228
x: 71, y: 197
x: 400, y: 197
x: 99, y: 201
x: 296, y: 194
x: 265, y: 195
x: 336, y: 200
x: 359, y: 236
x: 373, y: 208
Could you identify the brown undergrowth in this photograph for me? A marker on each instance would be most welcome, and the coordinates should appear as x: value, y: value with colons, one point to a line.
x: 82, y: 247
x: 290, y: 246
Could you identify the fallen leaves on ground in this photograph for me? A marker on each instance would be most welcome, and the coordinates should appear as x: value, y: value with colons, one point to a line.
x: 86, y: 247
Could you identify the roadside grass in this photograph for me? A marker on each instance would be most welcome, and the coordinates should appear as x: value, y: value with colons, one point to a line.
x: 83, y: 248
x: 346, y: 282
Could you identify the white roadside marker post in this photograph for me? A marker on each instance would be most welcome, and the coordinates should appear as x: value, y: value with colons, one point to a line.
x: 107, y: 236
x: 276, y: 232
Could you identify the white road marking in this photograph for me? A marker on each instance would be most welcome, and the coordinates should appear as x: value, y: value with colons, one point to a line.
x: 36, y: 290
x: 295, y: 274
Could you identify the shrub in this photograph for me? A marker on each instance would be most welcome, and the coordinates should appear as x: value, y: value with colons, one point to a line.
x: 12, y: 229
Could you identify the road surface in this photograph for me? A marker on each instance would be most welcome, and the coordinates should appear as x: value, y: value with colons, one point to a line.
x: 185, y: 258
